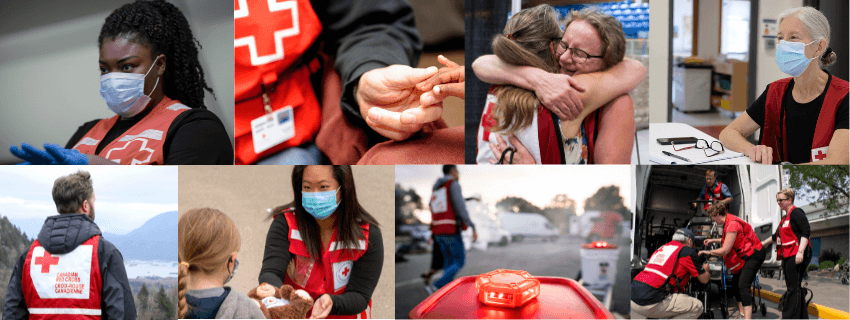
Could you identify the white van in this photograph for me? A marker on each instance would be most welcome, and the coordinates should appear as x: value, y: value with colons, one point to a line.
x: 528, y: 225
x: 663, y: 204
x: 486, y: 222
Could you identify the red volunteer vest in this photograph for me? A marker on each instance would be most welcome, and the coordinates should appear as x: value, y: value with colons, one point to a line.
x: 141, y: 144
x: 745, y: 243
x: 63, y: 286
x: 331, y: 274
x: 733, y: 263
x: 787, y: 245
x: 549, y: 137
x: 443, y: 218
x: 712, y: 195
x: 661, y: 267
x: 774, y: 118
x: 270, y: 38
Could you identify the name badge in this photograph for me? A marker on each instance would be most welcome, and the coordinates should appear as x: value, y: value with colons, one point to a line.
x: 273, y: 129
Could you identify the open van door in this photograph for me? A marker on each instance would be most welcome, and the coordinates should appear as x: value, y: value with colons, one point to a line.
x: 764, y: 214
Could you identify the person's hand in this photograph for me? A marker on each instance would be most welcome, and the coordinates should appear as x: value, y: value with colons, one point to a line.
x: 448, y: 81
x: 389, y: 101
x: 559, y: 93
x: 705, y: 252
x: 693, y: 205
x: 799, y: 258
x: 322, y: 307
x: 705, y: 266
x: 706, y: 242
x: 52, y: 155
x: 760, y: 153
x: 522, y: 155
x: 474, y: 236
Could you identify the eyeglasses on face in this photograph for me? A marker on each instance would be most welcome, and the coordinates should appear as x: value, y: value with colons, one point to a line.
x: 578, y: 55
x: 715, y: 146
x: 780, y: 200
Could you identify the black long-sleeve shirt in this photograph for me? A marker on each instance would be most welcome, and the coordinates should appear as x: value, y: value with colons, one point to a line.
x: 364, y: 273
x: 366, y: 35
x: 799, y: 224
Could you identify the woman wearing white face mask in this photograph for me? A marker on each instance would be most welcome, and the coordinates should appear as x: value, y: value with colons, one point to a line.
x: 152, y: 80
x: 325, y: 243
x: 804, y: 119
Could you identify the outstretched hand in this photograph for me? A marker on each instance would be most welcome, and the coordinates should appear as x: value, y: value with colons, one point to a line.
x: 52, y: 155
x: 449, y: 81
x: 390, y: 102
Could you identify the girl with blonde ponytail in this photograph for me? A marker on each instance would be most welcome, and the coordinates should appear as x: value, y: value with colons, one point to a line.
x: 207, y: 247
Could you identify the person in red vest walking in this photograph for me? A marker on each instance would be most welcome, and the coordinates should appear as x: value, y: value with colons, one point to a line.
x: 804, y: 118
x: 795, y: 250
x: 325, y: 243
x: 739, y: 244
x: 70, y: 270
x: 659, y: 290
x: 448, y: 218
x: 714, y: 190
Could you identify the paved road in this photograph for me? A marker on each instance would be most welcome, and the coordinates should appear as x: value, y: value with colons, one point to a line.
x: 558, y: 259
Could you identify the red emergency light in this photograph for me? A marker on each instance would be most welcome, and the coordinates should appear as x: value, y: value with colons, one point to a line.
x: 506, y: 288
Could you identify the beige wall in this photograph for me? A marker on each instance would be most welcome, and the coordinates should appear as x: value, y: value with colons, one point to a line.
x: 244, y: 193
x: 767, y: 69
x: 708, y: 42
x: 659, y: 22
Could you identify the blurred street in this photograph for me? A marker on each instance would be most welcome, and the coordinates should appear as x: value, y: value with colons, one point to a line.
x: 560, y: 258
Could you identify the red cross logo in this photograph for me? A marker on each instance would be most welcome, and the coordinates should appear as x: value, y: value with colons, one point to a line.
x: 266, y: 47
x: 345, y: 272
x: 46, y: 261
x: 820, y: 155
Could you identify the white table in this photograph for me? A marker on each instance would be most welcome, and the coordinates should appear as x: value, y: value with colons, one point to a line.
x: 673, y: 130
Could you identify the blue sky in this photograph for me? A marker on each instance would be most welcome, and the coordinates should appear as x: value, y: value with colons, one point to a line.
x: 537, y: 184
x: 126, y: 196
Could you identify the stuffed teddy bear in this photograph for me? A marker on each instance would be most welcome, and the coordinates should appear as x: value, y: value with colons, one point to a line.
x: 274, y: 304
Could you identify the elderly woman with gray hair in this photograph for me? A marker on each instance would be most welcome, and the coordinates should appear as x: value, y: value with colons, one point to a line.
x: 804, y: 118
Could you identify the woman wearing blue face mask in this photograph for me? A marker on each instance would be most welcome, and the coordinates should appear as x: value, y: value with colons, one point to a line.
x: 804, y: 119
x: 325, y: 243
x: 152, y: 81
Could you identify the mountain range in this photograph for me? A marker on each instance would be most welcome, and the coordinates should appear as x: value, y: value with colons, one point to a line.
x: 156, y: 239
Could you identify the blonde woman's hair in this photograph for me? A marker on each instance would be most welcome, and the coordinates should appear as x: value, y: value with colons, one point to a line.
x: 788, y: 192
x: 207, y: 237
x: 610, y: 32
x: 527, y: 40
x: 816, y: 25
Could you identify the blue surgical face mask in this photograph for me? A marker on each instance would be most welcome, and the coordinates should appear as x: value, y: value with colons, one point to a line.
x: 124, y: 93
x: 320, y: 204
x: 791, y: 57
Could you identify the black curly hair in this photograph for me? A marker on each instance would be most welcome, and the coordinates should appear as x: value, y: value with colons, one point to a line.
x: 161, y: 27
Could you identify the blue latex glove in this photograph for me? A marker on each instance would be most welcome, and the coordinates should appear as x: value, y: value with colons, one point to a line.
x: 54, y: 155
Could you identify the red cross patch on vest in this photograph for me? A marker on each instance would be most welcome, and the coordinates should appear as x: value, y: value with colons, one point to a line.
x: 59, y: 286
x: 443, y: 218
x: 141, y: 144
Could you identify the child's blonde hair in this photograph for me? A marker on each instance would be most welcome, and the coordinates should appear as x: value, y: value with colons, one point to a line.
x: 207, y: 237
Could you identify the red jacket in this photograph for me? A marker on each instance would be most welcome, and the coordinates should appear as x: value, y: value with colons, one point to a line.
x: 774, y: 129
x: 141, y: 144
x: 64, y: 286
x: 661, y: 269
x: 329, y: 275
x: 443, y: 218
x: 270, y: 40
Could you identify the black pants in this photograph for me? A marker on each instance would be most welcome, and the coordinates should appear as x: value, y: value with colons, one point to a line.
x: 436, y: 257
x: 741, y: 282
x: 795, y: 301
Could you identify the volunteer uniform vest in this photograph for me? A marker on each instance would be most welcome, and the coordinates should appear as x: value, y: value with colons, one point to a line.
x: 63, y: 286
x: 787, y: 245
x: 141, y: 144
x: 713, y: 195
x: 774, y: 119
x: 732, y: 262
x: 745, y: 243
x: 443, y: 218
x: 331, y: 274
x: 542, y: 138
x: 270, y: 40
x: 661, y: 267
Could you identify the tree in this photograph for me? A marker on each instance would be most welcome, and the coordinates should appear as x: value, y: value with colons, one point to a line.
x: 164, y: 307
x: 559, y: 211
x: 827, y: 185
x: 607, y: 199
x: 517, y: 204
x: 143, y: 298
